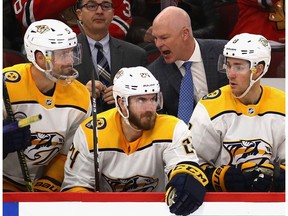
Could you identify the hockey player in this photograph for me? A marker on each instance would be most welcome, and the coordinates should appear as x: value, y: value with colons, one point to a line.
x: 138, y: 149
x: 239, y: 130
x: 27, y: 11
x: 46, y: 86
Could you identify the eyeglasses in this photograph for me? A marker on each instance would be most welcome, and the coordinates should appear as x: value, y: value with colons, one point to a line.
x: 93, y: 6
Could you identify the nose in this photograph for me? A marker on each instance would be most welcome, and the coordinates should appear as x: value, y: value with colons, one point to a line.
x: 231, y: 73
x: 158, y: 43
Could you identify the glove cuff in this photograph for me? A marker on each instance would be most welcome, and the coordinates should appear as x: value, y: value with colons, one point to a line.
x: 47, y: 184
x: 218, y: 181
x: 192, y: 170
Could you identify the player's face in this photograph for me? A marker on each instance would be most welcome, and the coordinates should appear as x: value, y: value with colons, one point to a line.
x: 142, y: 111
x: 62, y: 61
x: 238, y: 72
x: 96, y: 18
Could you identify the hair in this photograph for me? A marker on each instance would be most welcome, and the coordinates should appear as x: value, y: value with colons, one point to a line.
x: 79, y: 4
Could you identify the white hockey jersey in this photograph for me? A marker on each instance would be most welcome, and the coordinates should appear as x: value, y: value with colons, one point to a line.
x: 225, y: 131
x: 61, y: 113
x: 125, y: 166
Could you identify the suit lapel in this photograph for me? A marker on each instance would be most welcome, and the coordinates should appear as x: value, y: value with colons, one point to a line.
x: 172, y: 74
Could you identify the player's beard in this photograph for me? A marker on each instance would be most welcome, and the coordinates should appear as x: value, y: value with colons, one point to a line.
x: 146, y: 121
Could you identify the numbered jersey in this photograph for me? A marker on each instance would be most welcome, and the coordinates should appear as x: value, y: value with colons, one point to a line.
x: 61, y: 114
x: 235, y: 133
x: 28, y: 11
x: 140, y: 166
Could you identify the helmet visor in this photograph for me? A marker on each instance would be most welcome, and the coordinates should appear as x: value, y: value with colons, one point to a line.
x: 59, y: 63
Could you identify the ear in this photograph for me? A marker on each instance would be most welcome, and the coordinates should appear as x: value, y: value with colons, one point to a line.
x: 121, y: 104
x: 257, y: 71
x: 185, y: 33
x: 40, y: 59
x: 79, y: 14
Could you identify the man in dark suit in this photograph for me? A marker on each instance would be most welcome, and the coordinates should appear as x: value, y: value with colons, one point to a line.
x: 96, y: 18
x: 174, y: 38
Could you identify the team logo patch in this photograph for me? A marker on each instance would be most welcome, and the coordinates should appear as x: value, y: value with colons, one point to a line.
x: 101, y: 123
x: 89, y: 124
x: 133, y: 184
x: 42, y: 29
x: 212, y: 95
x: 12, y: 76
x: 49, y: 102
x: 248, y: 150
x: 251, y: 110
x: 44, y: 147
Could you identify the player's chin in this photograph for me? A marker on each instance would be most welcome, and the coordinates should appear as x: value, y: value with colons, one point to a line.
x: 148, y: 123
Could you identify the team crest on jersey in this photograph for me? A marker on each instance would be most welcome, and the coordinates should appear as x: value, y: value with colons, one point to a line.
x: 212, y: 95
x: 44, y: 147
x: 248, y: 150
x: 133, y: 184
x: 12, y: 76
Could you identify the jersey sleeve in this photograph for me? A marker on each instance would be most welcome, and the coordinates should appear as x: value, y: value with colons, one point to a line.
x: 205, y: 137
x: 79, y: 165
x: 70, y: 135
x: 181, y: 148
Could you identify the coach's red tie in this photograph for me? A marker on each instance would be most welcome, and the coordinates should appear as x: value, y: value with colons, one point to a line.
x: 186, y: 98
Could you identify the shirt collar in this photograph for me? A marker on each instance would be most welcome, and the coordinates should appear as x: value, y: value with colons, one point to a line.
x: 104, y: 41
x: 196, y: 56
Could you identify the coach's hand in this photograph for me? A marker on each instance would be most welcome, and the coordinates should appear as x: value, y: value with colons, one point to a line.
x: 16, y: 140
x: 99, y: 88
x: 185, y: 191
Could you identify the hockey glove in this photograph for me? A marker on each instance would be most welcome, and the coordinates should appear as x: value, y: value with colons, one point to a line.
x: 47, y: 184
x: 243, y: 178
x: 185, y: 191
x: 16, y: 140
x: 53, y: 175
x: 263, y: 181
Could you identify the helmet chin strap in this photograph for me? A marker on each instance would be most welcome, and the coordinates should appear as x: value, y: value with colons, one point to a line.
x: 47, y: 73
x: 249, y: 87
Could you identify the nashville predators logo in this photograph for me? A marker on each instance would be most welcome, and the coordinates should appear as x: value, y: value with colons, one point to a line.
x: 12, y: 76
x: 42, y: 28
x: 44, y: 147
x: 248, y: 150
x: 212, y: 95
x: 133, y: 184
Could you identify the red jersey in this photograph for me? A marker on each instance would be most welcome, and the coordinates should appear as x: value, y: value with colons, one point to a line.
x: 255, y: 17
x: 28, y: 11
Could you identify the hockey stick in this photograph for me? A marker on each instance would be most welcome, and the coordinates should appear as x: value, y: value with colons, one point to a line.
x: 21, y: 156
x: 94, y: 112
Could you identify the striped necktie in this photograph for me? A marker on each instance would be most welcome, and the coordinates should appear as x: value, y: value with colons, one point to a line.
x: 103, y: 66
x: 186, y: 97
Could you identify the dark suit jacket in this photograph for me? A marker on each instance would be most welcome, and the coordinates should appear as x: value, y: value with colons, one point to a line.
x: 170, y: 77
x: 123, y: 54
